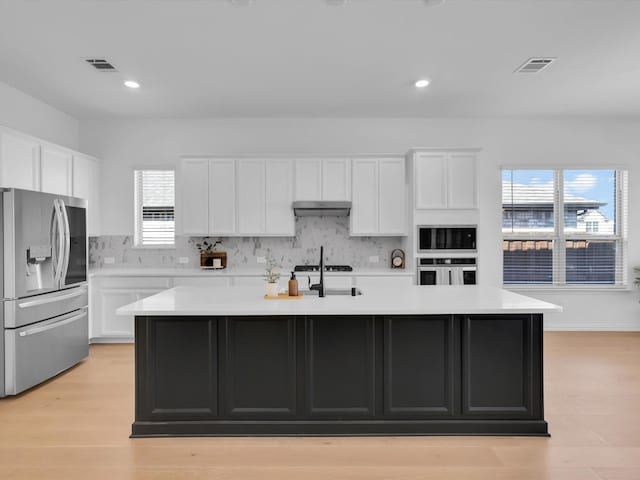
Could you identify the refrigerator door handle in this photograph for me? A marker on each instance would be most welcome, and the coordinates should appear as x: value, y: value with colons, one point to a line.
x: 57, y: 298
x: 51, y: 326
x: 67, y: 241
x: 56, y: 240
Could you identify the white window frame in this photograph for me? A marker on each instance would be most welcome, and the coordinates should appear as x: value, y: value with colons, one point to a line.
x: 137, y: 205
x: 559, y: 237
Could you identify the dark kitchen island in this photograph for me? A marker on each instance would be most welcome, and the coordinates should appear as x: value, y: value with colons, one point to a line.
x: 412, y: 361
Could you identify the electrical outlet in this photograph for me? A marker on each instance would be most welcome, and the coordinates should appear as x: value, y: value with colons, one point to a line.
x: 261, y: 259
x: 374, y: 259
x: 183, y: 260
x: 109, y: 260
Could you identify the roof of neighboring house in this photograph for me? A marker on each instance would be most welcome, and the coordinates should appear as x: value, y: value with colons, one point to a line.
x: 520, y: 195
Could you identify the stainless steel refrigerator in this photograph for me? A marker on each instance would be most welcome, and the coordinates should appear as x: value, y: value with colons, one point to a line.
x: 44, y: 314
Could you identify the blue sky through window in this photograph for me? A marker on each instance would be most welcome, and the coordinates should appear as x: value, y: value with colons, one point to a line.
x: 596, y: 185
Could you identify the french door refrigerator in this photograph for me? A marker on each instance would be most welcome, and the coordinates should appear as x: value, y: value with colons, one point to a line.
x: 44, y: 314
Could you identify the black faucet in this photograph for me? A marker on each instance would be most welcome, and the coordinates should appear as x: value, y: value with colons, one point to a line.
x: 319, y: 286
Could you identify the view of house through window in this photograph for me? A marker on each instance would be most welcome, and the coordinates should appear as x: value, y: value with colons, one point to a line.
x: 155, y: 207
x: 584, y: 245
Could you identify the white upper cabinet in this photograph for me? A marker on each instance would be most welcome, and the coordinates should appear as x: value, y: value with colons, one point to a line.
x: 364, y: 209
x: 193, y: 196
x: 86, y: 185
x: 251, y: 196
x: 56, y: 170
x: 323, y: 179
x: 392, y: 196
x: 445, y: 179
x: 235, y: 197
x: 430, y: 180
x: 336, y: 179
x: 280, y: 219
x: 222, y: 197
x: 19, y: 161
x: 379, y: 197
x: 308, y: 179
x: 461, y: 181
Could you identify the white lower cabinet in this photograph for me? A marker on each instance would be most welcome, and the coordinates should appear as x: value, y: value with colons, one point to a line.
x: 384, y: 281
x: 201, y: 282
x: 107, y: 294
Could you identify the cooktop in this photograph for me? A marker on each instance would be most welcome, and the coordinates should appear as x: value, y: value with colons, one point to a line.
x: 327, y: 268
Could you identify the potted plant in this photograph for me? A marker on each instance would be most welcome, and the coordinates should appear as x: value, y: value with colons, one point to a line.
x: 209, y: 258
x: 272, y: 276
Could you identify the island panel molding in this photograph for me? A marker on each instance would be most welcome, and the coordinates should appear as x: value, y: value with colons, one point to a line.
x: 425, y: 349
x: 340, y: 367
x: 166, y: 393
x: 259, y: 365
x: 270, y: 386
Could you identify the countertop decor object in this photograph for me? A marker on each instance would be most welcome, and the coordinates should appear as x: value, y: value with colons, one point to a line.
x: 272, y: 276
x: 285, y: 296
x: 209, y: 257
x: 454, y: 360
x: 397, y: 258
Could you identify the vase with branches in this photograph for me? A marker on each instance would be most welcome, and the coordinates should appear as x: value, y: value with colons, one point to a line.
x: 272, y: 275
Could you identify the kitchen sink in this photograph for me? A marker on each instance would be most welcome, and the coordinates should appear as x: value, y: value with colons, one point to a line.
x: 334, y: 291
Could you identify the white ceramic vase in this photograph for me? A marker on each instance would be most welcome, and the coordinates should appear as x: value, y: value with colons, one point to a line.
x: 272, y: 289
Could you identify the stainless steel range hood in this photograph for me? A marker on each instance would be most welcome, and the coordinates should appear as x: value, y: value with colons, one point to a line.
x: 317, y: 208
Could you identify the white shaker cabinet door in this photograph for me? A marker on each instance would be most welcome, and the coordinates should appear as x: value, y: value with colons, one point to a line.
x: 86, y: 185
x: 222, y: 197
x: 308, y: 179
x: 55, y: 170
x: 193, y: 188
x: 430, y: 172
x: 251, y: 196
x: 364, y: 210
x: 19, y: 162
x: 461, y: 181
x: 336, y: 179
x: 280, y: 219
x: 392, y: 197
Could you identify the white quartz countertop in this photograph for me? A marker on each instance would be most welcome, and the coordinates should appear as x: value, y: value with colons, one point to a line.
x: 234, y: 272
x: 409, y: 300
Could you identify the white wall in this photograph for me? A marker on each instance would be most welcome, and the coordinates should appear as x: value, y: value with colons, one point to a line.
x: 30, y: 115
x: 125, y: 144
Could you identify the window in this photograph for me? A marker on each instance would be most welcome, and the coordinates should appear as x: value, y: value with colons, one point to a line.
x: 155, y: 208
x: 583, y: 245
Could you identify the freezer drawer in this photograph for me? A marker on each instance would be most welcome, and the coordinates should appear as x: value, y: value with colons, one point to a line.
x: 25, y: 311
x: 40, y: 351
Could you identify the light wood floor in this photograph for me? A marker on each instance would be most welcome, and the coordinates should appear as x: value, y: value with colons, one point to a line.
x: 77, y: 427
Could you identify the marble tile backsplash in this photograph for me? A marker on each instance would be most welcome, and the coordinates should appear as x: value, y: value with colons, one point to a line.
x: 242, y: 252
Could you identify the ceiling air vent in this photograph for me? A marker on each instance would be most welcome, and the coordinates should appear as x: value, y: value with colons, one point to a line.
x: 535, y: 65
x: 101, y: 64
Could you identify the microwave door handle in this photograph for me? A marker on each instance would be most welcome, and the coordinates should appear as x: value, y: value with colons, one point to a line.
x: 67, y: 240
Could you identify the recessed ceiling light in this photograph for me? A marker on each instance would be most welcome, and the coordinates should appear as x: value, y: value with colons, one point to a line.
x: 241, y: 3
x: 131, y: 84
x: 422, y: 83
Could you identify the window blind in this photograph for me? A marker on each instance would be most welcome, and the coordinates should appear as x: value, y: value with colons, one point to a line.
x: 564, y: 227
x: 155, y: 207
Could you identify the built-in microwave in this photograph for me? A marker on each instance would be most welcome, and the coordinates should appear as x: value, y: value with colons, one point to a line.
x: 447, y: 238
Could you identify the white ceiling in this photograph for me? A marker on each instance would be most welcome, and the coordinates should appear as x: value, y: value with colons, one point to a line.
x: 303, y: 58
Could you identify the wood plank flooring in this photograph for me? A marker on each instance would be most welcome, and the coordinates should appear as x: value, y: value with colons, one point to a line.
x: 77, y: 425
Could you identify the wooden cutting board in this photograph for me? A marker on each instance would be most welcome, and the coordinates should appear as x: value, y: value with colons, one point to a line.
x: 285, y: 296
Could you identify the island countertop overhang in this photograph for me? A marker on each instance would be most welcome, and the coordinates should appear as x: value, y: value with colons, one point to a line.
x: 411, y: 300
